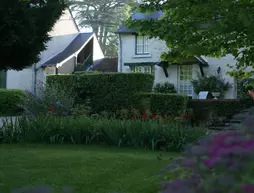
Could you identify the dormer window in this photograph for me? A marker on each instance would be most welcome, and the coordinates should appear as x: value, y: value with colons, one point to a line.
x: 141, y: 45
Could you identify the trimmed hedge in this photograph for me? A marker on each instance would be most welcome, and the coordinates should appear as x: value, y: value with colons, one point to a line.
x: 204, y: 108
x: 9, y: 101
x: 171, y: 104
x: 104, y: 91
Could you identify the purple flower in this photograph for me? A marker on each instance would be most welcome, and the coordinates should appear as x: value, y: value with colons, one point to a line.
x: 248, y: 188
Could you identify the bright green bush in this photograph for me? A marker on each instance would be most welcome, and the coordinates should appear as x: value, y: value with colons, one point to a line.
x: 171, y: 104
x: 165, y: 87
x: 85, y: 130
x: 104, y: 91
x: 10, y: 101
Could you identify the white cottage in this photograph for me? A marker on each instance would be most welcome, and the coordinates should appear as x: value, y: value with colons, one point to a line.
x: 67, y: 49
x: 140, y: 54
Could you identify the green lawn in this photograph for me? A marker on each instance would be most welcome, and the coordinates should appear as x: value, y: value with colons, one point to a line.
x: 84, y: 168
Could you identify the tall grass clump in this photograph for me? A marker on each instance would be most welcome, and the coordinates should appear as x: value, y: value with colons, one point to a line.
x: 88, y: 130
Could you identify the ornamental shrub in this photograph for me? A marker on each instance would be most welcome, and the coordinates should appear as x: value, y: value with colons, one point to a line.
x: 10, y: 101
x: 49, y: 100
x: 211, y: 84
x: 216, y: 163
x: 165, y: 87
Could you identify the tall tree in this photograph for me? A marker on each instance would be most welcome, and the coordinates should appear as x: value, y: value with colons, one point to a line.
x: 104, y: 17
x: 24, y: 27
x: 211, y: 28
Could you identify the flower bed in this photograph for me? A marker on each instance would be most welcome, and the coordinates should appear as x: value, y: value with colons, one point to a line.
x: 217, y: 163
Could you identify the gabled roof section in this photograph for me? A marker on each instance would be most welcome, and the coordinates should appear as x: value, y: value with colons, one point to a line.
x: 139, y: 16
x: 66, y: 49
x: 56, y: 45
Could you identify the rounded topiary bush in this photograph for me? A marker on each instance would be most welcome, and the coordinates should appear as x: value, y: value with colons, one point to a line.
x: 10, y: 101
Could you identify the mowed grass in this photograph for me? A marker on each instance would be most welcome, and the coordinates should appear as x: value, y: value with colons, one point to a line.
x: 84, y: 168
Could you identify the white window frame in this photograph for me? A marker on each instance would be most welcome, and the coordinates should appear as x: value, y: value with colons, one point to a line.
x: 143, y: 69
x: 185, y: 77
x: 141, y: 45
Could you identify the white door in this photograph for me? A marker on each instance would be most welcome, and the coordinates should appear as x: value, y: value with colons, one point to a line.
x: 185, y: 78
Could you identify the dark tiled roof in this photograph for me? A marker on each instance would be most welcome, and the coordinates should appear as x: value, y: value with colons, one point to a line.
x: 139, y: 16
x: 73, y: 47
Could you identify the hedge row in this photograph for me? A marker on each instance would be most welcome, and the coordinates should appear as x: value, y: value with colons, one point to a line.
x: 203, y: 109
x: 10, y: 101
x: 107, y: 91
x: 171, y: 104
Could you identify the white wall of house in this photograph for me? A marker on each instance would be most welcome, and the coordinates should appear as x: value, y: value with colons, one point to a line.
x: 127, y: 54
x: 65, y: 25
x: 97, y: 51
x: 67, y: 67
x: 20, y: 79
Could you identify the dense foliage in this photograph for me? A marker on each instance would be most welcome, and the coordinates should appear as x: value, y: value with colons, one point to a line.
x: 171, y: 104
x: 10, y: 101
x: 217, y: 163
x: 97, y: 130
x: 210, y: 84
x: 24, y: 30
x: 165, y: 87
x: 107, y: 91
x: 104, y: 17
x: 195, y: 28
x: 203, y: 110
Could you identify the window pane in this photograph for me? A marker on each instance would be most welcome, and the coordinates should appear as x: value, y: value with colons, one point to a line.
x: 139, y: 49
x: 138, y: 68
x: 142, y: 44
x: 185, y: 79
x: 147, y: 69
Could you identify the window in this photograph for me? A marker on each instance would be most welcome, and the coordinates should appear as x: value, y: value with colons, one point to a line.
x: 50, y: 70
x: 185, y: 76
x: 143, y: 69
x: 142, y: 45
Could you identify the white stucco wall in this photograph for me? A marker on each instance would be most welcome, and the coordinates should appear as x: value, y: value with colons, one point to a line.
x: 20, y: 79
x: 65, y: 25
x: 155, y: 48
x: 97, y: 51
x: 67, y: 67
x: 126, y: 54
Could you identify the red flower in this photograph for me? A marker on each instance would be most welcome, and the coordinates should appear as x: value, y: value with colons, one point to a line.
x: 186, y: 116
x: 51, y: 109
x: 153, y: 116
x: 143, y: 117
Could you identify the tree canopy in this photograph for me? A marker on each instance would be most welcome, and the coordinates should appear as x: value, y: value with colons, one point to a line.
x: 104, y: 17
x: 208, y: 27
x: 24, y: 27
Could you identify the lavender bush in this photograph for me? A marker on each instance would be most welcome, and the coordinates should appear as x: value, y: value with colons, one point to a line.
x: 218, y: 163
